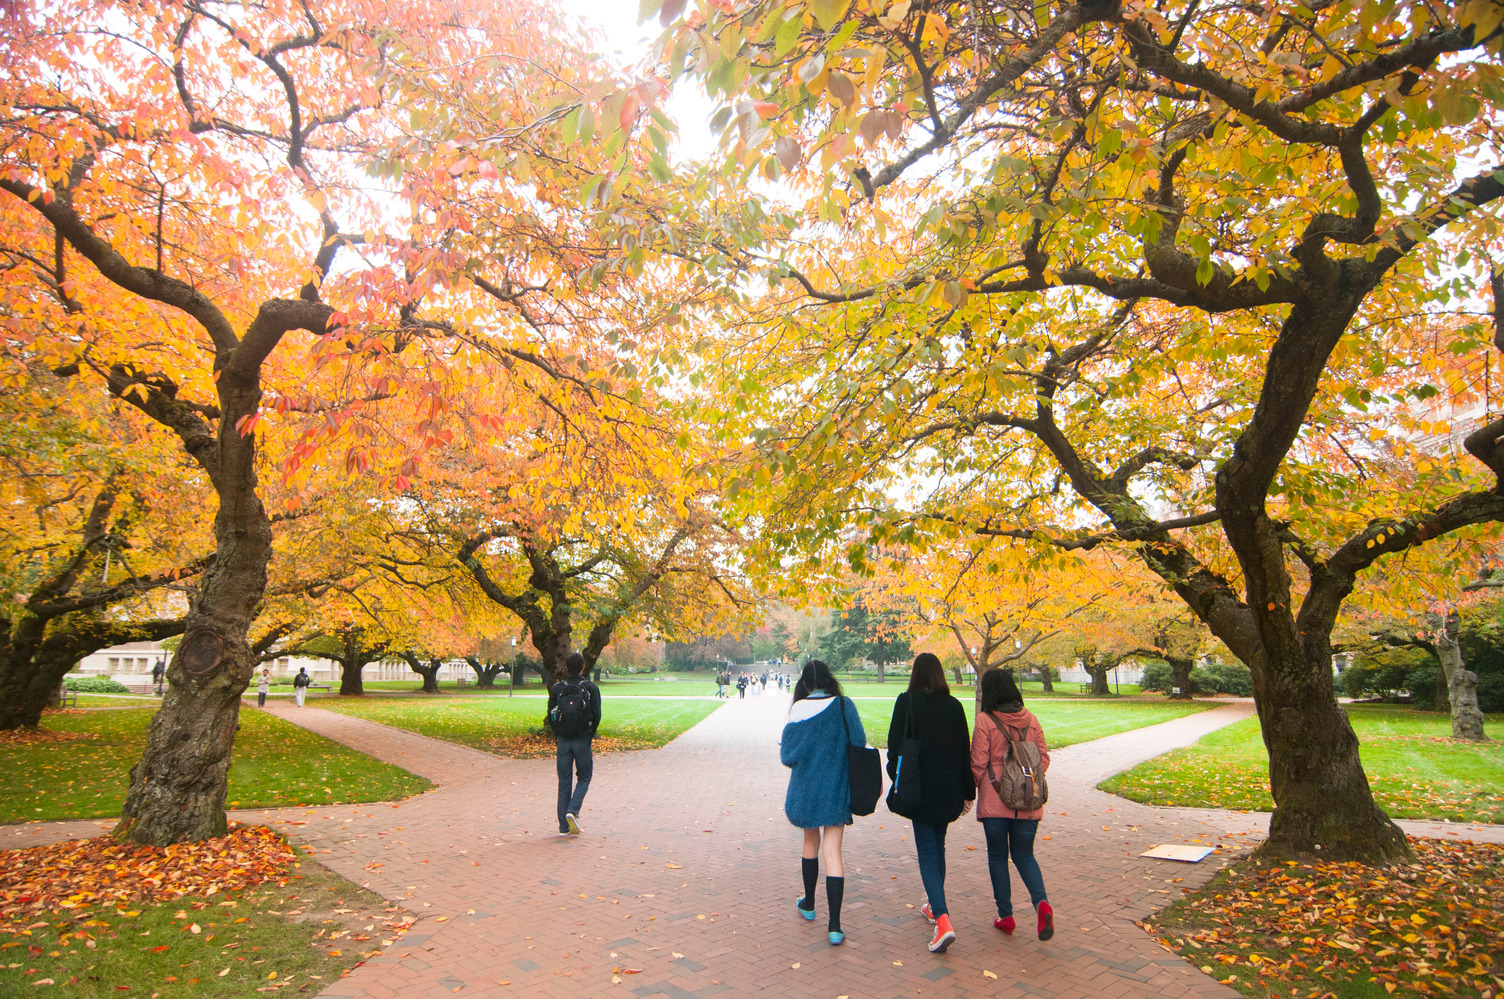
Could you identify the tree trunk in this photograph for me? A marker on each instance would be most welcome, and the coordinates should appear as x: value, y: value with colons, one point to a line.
x: 351, y: 683
x: 485, y: 676
x: 429, y: 673
x: 881, y: 670
x: 1046, y: 680
x: 31, y: 671
x: 1323, y: 804
x: 1462, y: 683
x: 1180, y: 679
x: 1098, y: 680
x: 178, y: 788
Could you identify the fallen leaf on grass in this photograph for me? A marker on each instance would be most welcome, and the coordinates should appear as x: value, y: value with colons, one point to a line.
x: 43, y: 880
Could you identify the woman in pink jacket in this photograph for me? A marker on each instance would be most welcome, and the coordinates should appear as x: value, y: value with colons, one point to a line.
x: 1008, y: 832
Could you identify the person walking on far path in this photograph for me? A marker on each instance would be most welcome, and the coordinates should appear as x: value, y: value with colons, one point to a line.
x: 300, y: 686
x: 821, y: 724
x: 574, y: 714
x: 928, y: 712
x: 263, y: 686
x: 741, y: 686
x: 1009, y: 832
x: 158, y: 670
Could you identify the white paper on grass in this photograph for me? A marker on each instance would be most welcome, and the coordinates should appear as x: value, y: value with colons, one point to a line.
x: 1178, y: 851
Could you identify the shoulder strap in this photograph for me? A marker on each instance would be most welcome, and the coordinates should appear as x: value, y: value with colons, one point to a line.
x: 841, y: 707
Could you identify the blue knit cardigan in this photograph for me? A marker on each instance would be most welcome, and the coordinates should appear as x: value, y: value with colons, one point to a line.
x: 814, y: 747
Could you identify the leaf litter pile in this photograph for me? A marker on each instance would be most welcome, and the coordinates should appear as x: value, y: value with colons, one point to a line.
x: 226, y: 916
x: 1431, y: 927
x: 537, y: 744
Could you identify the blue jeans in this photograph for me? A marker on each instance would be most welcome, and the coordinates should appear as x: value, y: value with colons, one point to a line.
x: 929, y: 843
x: 574, y: 758
x: 1013, y: 837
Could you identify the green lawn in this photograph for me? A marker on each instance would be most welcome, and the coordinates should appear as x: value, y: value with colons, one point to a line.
x: 1064, y: 722
x: 1415, y: 768
x: 275, y: 764
x: 510, y: 726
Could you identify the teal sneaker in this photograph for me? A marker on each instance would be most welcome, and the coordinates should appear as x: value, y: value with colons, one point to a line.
x: 808, y: 914
x: 837, y: 938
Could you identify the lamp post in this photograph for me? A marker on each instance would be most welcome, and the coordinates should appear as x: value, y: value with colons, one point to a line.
x: 512, y: 670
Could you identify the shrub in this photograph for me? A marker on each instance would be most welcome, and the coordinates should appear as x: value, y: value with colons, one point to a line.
x: 1157, y: 676
x: 1223, y: 678
x: 1483, y: 651
x: 1357, y: 679
x: 95, y: 685
x: 1421, y: 682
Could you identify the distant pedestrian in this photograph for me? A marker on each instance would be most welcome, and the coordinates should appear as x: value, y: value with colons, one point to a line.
x: 158, y: 671
x: 722, y: 679
x: 574, y: 714
x: 821, y: 723
x: 741, y: 686
x: 300, y: 685
x: 1009, y: 832
x: 263, y: 687
x: 928, y: 712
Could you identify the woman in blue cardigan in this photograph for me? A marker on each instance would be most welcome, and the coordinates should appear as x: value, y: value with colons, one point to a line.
x: 819, y: 797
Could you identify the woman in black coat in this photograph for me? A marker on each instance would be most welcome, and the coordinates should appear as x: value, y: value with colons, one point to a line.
x: 945, y: 782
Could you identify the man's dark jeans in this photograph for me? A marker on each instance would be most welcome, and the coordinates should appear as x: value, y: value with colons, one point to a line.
x: 574, y: 759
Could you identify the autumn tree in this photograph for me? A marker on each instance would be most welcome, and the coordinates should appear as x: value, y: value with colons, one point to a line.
x: 91, y: 539
x: 249, y: 222
x: 1107, y: 274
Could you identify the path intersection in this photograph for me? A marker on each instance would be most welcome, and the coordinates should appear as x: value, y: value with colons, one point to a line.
x: 683, y: 880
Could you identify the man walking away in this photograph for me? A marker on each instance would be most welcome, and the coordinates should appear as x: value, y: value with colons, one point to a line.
x: 158, y: 671
x: 300, y: 685
x: 574, y: 714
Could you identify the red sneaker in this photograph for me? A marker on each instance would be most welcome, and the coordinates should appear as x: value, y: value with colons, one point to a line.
x: 926, y: 912
x: 1046, y: 921
x: 1004, y: 923
x: 944, y: 935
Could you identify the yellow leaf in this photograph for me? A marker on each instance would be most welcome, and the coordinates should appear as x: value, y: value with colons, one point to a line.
x: 988, y: 974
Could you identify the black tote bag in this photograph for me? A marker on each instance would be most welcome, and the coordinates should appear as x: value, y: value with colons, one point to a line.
x: 905, y: 794
x: 866, y: 767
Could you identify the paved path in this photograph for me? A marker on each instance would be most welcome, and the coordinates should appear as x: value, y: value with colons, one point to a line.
x: 687, y: 871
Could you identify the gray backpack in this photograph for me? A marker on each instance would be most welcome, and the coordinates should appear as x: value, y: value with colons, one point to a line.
x: 1021, y: 785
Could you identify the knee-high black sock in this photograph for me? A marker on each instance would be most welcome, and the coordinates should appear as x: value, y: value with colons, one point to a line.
x: 810, y: 868
x: 835, y: 890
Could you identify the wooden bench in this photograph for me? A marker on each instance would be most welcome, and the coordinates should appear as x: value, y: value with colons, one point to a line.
x: 67, y: 698
x: 460, y: 681
x: 1086, y: 688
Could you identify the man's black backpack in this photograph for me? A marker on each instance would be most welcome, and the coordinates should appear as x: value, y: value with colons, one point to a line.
x: 301, y: 680
x: 570, y: 717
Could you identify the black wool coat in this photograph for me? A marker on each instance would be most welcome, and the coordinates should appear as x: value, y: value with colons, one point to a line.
x: 945, y: 780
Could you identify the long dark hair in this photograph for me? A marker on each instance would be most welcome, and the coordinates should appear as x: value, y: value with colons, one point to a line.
x: 928, y: 676
x: 816, y: 676
x: 1000, y: 692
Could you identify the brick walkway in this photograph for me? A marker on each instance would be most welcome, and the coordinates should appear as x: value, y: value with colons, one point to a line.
x: 687, y: 870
